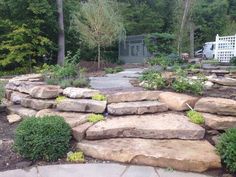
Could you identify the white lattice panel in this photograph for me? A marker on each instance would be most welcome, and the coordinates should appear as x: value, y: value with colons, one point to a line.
x: 225, y: 48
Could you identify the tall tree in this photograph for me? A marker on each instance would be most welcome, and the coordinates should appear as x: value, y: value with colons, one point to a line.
x: 61, y: 34
x: 99, y: 24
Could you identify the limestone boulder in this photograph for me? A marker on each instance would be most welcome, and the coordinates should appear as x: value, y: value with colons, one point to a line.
x: 218, y: 122
x: 177, y: 101
x: 184, y: 155
x: 73, y: 92
x: 27, y: 77
x: 21, y: 111
x: 22, y: 86
x: 141, y: 107
x: 45, y: 91
x: 132, y: 96
x: 79, y: 132
x: 225, y: 81
x: 72, y: 118
x: 17, y: 97
x: 157, y: 126
x: 8, y: 94
x: 12, y: 118
x: 37, y: 104
x: 219, y: 106
x: 82, y: 105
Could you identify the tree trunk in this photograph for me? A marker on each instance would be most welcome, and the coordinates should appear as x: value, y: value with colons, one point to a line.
x: 183, y: 22
x: 99, y: 56
x: 191, y: 39
x: 61, y: 35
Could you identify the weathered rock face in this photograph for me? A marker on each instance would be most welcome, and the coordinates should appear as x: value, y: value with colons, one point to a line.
x: 22, y: 86
x: 17, y: 97
x: 27, y: 77
x: 73, y: 92
x: 159, y: 126
x: 13, y: 118
x: 79, y: 131
x: 82, y: 105
x: 72, y: 118
x: 142, y: 107
x: 19, y: 110
x: 133, y: 96
x: 45, y: 91
x: 219, y: 122
x: 186, y: 155
x: 37, y: 104
x: 219, y: 106
x: 176, y: 101
x: 225, y: 81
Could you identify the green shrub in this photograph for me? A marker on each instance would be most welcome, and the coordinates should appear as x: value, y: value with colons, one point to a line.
x: 81, y: 82
x: 75, y: 157
x: 226, y: 148
x: 153, y: 80
x: 99, y: 97
x: 94, y: 118
x: 2, y: 91
x: 113, y: 70
x: 44, y: 138
x: 65, y: 83
x: 162, y: 61
x: 185, y: 84
x: 233, y: 61
x: 195, y: 117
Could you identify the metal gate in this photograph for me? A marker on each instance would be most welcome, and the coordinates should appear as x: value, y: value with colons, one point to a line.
x: 225, y: 48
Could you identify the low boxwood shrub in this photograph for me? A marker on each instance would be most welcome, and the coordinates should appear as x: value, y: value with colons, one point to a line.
x: 45, y: 138
x: 113, y: 70
x: 195, y: 117
x: 226, y: 148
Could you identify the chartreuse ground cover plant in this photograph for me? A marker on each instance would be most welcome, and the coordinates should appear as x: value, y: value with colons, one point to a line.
x: 75, y: 157
x: 226, y: 148
x: 195, y: 117
x: 59, y: 99
x: 99, y: 97
x: 46, y: 138
x: 94, y: 118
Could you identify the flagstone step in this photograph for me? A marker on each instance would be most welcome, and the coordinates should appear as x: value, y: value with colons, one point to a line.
x: 139, y: 107
x: 186, y: 155
x: 156, y: 126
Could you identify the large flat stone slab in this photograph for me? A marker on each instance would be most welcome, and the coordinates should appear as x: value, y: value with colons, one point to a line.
x: 79, y: 132
x: 22, y: 86
x: 219, y: 106
x: 177, y: 101
x: 159, y: 126
x: 82, y: 105
x: 224, y: 81
x: 141, y: 107
x: 219, y: 122
x: 73, y: 92
x: 45, y: 91
x: 21, y: 111
x: 37, y: 104
x: 72, y: 118
x: 186, y: 155
x: 133, y: 96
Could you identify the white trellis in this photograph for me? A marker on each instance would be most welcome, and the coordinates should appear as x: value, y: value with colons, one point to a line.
x: 225, y: 48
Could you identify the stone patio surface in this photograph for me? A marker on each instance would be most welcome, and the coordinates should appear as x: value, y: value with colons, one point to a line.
x: 96, y: 170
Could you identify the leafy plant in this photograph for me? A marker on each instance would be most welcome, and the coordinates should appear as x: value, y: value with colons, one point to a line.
x: 152, y: 80
x: 44, y: 138
x: 226, y: 148
x: 99, y: 97
x: 113, y: 70
x: 195, y: 117
x: 233, y: 61
x: 94, y: 118
x: 2, y: 91
x: 75, y: 157
x: 185, y: 84
x: 59, y: 99
x: 81, y: 82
